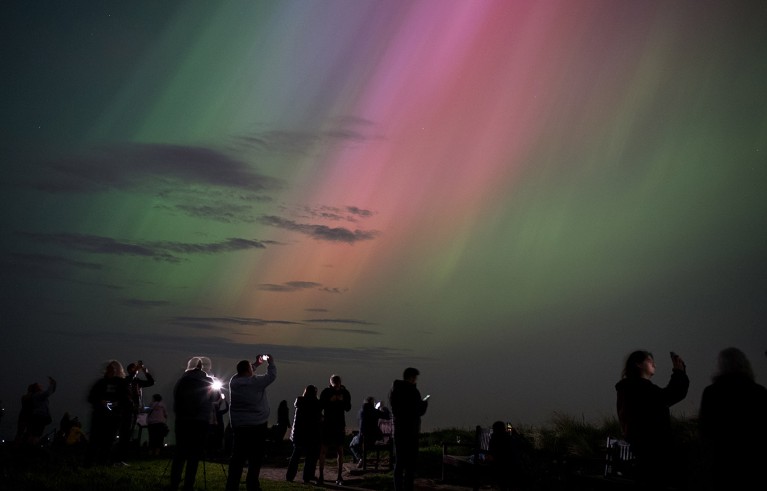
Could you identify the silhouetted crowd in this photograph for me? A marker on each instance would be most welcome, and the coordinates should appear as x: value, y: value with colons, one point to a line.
x: 200, y: 405
x: 732, y: 424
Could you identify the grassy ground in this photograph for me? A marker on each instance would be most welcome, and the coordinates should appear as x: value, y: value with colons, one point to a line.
x: 557, y: 456
x: 50, y: 470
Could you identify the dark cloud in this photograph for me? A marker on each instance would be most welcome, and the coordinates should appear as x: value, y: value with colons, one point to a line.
x: 221, y: 205
x: 290, y: 286
x: 351, y: 214
x: 23, y: 266
x: 236, y: 321
x: 219, y: 346
x: 45, y: 261
x: 138, y: 166
x: 341, y: 321
x: 320, y: 232
x: 220, y: 212
x: 145, y: 304
x: 303, y: 142
x: 333, y: 290
x: 348, y: 331
x: 161, y: 251
x: 359, y: 211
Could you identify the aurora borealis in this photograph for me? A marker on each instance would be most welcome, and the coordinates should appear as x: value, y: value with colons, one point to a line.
x: 509, y: 195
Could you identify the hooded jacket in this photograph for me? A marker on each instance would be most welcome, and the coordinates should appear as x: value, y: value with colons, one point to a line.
x: 407, y: 407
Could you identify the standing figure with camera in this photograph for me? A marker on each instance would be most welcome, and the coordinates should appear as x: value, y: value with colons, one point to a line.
x: 193, y: 398
x: 249, y: 416
x: 643, y: 412
x: 135, y: 386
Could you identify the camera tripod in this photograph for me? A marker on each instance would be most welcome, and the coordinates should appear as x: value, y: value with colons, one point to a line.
x: 203, y: 461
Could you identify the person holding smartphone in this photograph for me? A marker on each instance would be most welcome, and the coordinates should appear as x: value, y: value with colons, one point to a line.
x: 643, y: 412
x: 407, y: 407
x: 249, y: 414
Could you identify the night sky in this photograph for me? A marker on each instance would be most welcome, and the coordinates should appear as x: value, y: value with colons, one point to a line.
x: 510, y: 196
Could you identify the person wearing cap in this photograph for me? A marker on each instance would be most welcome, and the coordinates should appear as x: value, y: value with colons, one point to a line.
x: 193, y: 398
x: 249, y: 415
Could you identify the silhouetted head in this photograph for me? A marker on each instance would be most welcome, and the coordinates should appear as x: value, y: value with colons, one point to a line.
x: 34, y: 388
x: 410, y: 375
x: 499, y: 427
x: 156, y: 397
x: 635, y: 364
x: 310, y: 391
x: 732, y: 361
x: 335, y: 381
x: 114, y: 369
x: 244, y: 367
x: 199, y: 363
x: 370, y: 400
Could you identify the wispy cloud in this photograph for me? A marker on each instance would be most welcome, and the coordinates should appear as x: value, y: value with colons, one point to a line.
x: 359, y: 211
x: 192, y: 180
x: 290, y: 286
x: 48, y: 261
x: 340, y: 321
x: 320, y: 232
x: 50, y: 267
x: 351, y: 214
x: 219, y: 204
x: 144, y: 304
x: 135, y: 165
x: 214, y: 323
x: 197, y: 322
x: 220, y: 346
x: 348, y: 331
x: 350, y: 131
x: 295, y: 286
x: 159, y: 250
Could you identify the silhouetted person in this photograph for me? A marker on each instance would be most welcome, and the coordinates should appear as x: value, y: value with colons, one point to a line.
x: 504, y: 449
x: 305, y: 434
x: 135, y: 386
x: 109, y: 399
x: 193, y: 396
x: 249, y: 414
x: 370, y: 431
x: 277, y: 432
x: 643, y: 411
x: 157, y: 424
x: 733, y: 425
x: 335, y: 401
x: 216, y: 435
x: 356, y: 448
x: 407, y: 407
x: 35, y: 413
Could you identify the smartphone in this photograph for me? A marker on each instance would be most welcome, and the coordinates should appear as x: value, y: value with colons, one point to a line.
x: 427, y: 397
x: 264, y: 357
